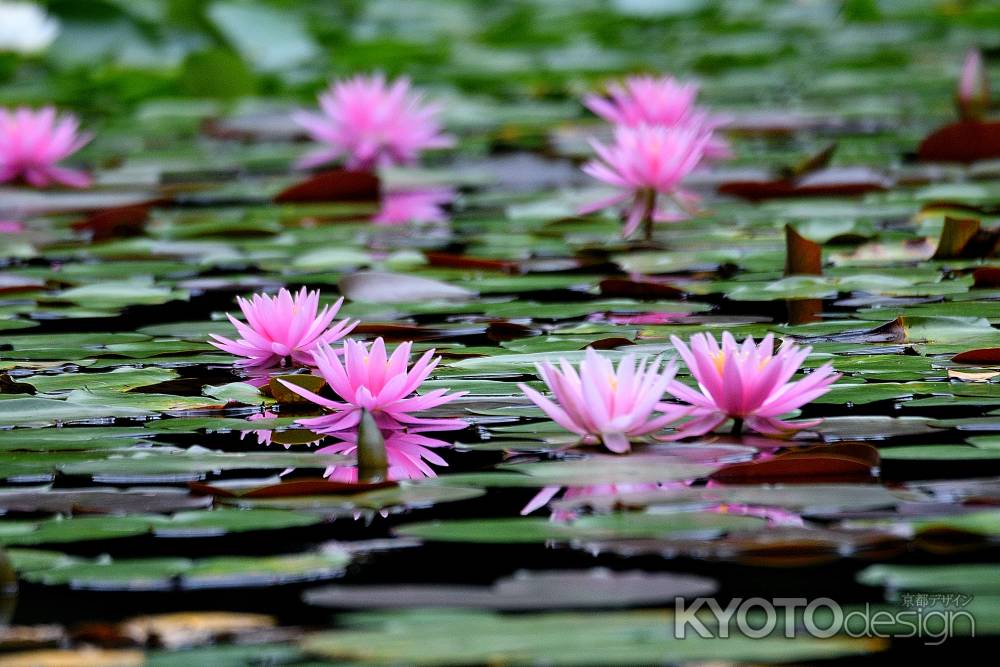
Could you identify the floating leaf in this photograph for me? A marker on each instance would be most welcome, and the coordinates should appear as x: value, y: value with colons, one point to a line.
x: 524, y: 590
x: 379, y: 287
x: 442, y: 637
x: 513, y: 531
x: 338, y: 185
x: 855, y: 462
x: 283, y: 394
x: 965, y: 141
x: 978, y: 579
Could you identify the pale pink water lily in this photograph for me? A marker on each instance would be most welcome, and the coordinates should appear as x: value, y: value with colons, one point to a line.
x: 408, y: 452
x: 662, y: 100
x: 645, y: 162
x: 407, y: 206
x: 547, y: 493
x: 775, y: 516
x: 368, y: 122
x: 33, y: 142
x: 746, y: 382
x: 602, y: 403
x: 282, y: 329
x: 264, y: 436
x: 973, y: 93
x: 368, y: 378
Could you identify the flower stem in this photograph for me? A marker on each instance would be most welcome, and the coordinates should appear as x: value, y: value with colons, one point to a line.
x: 737, y: 426
x: 373, y: 463
x: 649, y: 206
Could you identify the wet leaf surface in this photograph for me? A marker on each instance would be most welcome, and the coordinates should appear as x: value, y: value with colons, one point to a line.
x: 639, y: 637
x: 524, y: 591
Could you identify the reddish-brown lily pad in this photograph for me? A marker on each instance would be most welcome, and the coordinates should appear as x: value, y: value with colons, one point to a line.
x: 827, y: 183
x: 987, y: 276
x: 454, y: 261
x: 841, y: 462
x: 965, y: 141
x: 339, y: 185
x: 300, y: 487
x: 638, y: 289
x: 115, y: 222
x: 986, y: 356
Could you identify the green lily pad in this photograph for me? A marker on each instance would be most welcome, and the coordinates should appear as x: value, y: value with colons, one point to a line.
x: 628, y: 525
x: 428, y: 637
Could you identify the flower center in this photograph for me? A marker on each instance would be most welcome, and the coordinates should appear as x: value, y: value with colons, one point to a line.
x: 719, y: 359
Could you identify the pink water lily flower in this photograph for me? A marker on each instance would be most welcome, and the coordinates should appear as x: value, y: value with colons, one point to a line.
x: 603, y: 404
x: 11, y: 227
x: 368, y: 378
x: 748, y: 383
x: 370, y: 122
x: 265, y: 436
x: 973, y: 93
x: 547, y: 493
x: 663, y: 100
x: 408, y: 454
x: 32, y: 142
x: 645, y: 162
x: 404, y: 206
x: 282, y: 328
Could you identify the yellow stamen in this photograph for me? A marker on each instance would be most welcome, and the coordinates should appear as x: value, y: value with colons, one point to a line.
x: 719, y: 359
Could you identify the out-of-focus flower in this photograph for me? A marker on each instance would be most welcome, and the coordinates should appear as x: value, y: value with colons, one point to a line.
x: 282, y: 328
x: 370, y: 122
x: 11, y: 227
x: 775, y: 516
x: 644, y: 162
x: 650, y: 100
x: 973, y: 93
x: 25, y: 27
x: 408, y: 453
x: 32, y: 142
x: 637, y: 318
x: 406, y: 206
x: 748, y: 383
x: 370, y: 379
x: 604, y: 404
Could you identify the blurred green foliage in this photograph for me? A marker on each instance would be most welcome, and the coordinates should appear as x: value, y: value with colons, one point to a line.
x: 113, y: 54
